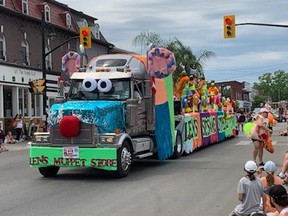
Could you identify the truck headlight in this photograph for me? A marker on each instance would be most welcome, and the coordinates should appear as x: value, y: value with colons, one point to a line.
x: 42, y: 137
x: 107, y: 139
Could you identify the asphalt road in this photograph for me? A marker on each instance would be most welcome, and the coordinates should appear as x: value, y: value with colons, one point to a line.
x: 202, y: 183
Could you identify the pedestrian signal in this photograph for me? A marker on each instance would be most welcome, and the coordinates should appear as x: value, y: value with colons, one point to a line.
x: 85, y: 37
x: 229, y: 26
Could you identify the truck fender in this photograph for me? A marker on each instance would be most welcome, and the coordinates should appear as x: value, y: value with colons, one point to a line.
x: 123, y: 137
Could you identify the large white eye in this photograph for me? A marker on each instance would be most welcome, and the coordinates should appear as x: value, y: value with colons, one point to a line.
x: 104, y: 85
x: 89, y: 84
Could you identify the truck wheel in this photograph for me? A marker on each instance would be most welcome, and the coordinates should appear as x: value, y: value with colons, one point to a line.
x: 50, y: 171
x: 124, y: 160
x: 178, y: 146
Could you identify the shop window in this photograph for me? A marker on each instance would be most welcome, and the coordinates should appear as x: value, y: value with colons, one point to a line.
x: 25, y: 6
x: 2, y: 48
x: 25, y: 53
x: 47, y: 13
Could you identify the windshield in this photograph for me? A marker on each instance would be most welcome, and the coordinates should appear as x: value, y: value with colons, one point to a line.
x: 120, y: 90
x: 110, y: 62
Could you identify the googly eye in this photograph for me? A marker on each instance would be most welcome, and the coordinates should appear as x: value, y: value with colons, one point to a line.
x: 89, y: 84
x: 104, y: 85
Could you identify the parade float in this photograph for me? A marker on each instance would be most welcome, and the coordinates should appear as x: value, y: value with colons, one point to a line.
x: 124, y: 108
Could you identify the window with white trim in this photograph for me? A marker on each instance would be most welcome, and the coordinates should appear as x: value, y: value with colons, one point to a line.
x: 2, y: 48
x: 25, y: 6
x: 47, y: 13
x: 2, y: 2
x: 48, y: 59
x: 95, y: 29
x: 25, y: 52
x: 82, y: 23
x: 68, y: 21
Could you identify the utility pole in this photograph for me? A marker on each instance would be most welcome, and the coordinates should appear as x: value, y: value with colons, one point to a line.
x: 44, y: 63
x: 44, y: 55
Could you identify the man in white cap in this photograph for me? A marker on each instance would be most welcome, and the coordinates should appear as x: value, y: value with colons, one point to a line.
x: 259, y: 134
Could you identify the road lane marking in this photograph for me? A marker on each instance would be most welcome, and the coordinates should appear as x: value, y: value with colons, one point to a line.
x: 250, y: 143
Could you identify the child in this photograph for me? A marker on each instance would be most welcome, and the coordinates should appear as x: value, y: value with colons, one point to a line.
x: 9, y: 138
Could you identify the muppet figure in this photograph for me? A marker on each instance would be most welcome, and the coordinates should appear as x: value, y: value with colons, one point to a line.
x: 202, y: 89
x: 190, y: 90
x: 213, y: 93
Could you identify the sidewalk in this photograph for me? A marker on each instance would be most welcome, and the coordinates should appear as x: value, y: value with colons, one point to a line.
x: 17, y: 146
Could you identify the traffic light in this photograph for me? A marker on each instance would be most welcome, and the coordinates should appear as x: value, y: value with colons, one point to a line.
x: 41, y: 85
x: 37, y: 86
x: 85, y: 37
x: 33, y: 87
x: 229, y: 26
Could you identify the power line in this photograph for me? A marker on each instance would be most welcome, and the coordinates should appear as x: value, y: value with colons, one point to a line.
x: 247, y: 69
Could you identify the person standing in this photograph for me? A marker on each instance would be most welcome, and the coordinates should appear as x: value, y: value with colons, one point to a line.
x: 259, y: 134
x: 19, y: 126
x: 250, y: 192
x: 241, y: 120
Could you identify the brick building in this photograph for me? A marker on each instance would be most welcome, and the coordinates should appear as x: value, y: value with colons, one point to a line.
x: 239, y: 91
x: 22, y: 41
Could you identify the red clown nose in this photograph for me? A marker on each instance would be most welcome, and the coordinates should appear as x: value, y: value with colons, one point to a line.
x: 69, y: 126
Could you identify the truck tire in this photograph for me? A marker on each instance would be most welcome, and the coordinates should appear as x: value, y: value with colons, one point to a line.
x: 50, y: 171
x: 178, y: 146
x: 124, y: 160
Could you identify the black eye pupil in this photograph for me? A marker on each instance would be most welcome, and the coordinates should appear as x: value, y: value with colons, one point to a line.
x: 103, y: 85
x: 88, y: 84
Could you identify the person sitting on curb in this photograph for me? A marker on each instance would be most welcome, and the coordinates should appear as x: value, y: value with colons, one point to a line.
x: 2, y: 138
x: 279, y: 199
x: 9, y: 138
x: 268, y: 181
x: 250, y: 192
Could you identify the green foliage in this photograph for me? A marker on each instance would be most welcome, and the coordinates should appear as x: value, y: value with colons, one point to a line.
x: 258, y: 99
x: 185, y: 58
x: 273, y: 87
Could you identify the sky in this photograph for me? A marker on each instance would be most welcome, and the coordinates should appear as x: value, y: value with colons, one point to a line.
x: 199, y: 24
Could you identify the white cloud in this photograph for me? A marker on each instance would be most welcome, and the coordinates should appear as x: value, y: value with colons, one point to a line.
x: 199, y: 24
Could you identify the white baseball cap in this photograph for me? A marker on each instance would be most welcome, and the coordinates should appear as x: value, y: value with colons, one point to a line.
x: 262, y: 110
x: 270, y: 167
x: 250, y: 166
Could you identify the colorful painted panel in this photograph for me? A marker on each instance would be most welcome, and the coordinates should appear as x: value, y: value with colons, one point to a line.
x: 205, y: 128
x: 191, y: 132
x: 221, y: 126
x: 164, y: 123
x: 213, y: 125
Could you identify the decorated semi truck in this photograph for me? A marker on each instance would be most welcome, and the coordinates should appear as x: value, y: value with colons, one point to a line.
x: 115, y: 113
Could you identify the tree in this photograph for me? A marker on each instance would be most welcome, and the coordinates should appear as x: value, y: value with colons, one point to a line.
x: 144, y: 39
x: 273, y: 87
x: 185, y: 58
x: 258, y: 100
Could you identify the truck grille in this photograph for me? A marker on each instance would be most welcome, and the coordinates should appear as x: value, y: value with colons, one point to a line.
x: 85, y: 138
